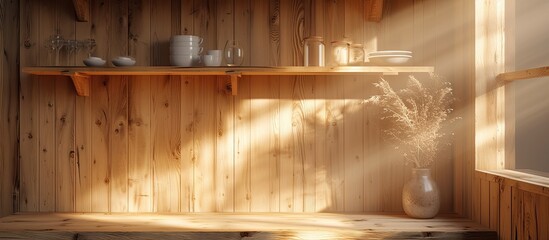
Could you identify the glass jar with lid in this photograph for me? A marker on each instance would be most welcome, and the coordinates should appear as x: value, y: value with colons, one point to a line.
x: 356, y: 54
x: 313, y: 51
x: 340, y: 52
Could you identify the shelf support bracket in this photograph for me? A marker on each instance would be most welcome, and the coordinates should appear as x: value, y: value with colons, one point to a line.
x: 82, y: 10
x: 81, y: 83
x: 233, y: 84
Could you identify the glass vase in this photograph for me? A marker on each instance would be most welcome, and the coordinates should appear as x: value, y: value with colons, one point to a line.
x: 233, y: 53
x: 420, y: 195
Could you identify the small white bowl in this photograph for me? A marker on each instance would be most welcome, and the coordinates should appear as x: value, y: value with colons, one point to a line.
x: 123, y: 61
x: 211, y: 60
x: 94, y: 62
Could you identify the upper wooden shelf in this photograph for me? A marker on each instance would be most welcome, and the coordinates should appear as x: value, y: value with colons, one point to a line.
x: 81, y: 75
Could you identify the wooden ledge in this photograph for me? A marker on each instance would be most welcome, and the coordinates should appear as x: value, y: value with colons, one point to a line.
x: 521, y: 180
x: 81, y: 75
x: 523, y: 74
x: 238, y: 225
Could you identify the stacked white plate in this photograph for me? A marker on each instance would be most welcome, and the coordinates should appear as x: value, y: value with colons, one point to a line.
x: 185, y: 50
x: 393, y: 57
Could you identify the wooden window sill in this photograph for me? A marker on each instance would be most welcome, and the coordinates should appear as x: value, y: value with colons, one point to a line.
x: 520, y: 179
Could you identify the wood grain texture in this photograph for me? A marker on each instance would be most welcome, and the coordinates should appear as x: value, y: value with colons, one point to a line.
x: 65, y: 154
x: 249, y: 226
x: 140, y: 193
x: 118, y: 137
x: 165, y: 135
x: 187, y: 144
x: 204, y: 145
x: 170, y: 139
x: 100, y: 172
x: 9, y: 104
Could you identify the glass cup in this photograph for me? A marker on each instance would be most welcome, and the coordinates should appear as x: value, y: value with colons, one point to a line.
x: 233, y: 53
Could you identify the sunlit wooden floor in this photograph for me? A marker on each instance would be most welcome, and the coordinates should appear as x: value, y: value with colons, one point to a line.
x: 236, y: 226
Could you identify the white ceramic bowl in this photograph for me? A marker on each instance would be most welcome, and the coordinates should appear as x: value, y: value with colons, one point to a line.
x: 94, y: 62
x: 390, y: 59
x: 187, y: 60
x: 390, y: 53
x: 211, y: 60
x: 191, y: 50
x: 123, y: 61
x: 186, y: 38
x: 184, y: 44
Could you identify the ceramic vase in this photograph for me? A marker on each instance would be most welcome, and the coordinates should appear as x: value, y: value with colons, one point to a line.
x: 420, y: 195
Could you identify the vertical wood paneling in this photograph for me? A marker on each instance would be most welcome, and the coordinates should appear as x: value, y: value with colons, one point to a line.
x: 308, y: 146
x: 160, y: 32
x: 118, y: 32
x: 100, y: 144
x: 29, y: 98
x: 242, y: 161
x: 242, y: 28
x: 322, y: 188
x: 224, y: 187
x: 83, y: 124
x: 187, y: 144
x: 118, y: 149
x: 139, y: 145
x: 274, y: 33
x: 182, y: 144
x: 187, y: 11
x: 204, y: 19
x: 260, y: 21
x: 204, y: 142
x: 165, y: 133
x: 65, y: 154
x: 47, y: 139
x: 335, y: 12
x: 260, y: 146
x: 9, y: 104
x: 354, y: 115
x: 291, y: 34
x: 505, y: 217
x: 100, y: 20
x: 139, y: 31
x: 273, y: 114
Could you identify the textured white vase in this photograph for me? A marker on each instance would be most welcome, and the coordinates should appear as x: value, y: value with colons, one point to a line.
x: 420, y: 195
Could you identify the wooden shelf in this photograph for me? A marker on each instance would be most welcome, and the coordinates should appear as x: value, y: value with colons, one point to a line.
x: 523, y: 74
x: 235, y: 225
x: 81, y: 75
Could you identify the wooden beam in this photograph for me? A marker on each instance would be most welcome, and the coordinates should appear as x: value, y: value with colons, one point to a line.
x: 523, y: 74
x: 373, y: 10
x: 82, y: 10
x: 81, y: 84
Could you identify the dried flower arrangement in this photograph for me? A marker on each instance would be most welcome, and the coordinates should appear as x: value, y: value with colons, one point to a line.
x: 417, y: 113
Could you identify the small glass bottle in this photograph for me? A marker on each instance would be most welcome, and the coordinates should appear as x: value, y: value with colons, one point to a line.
x: 356, y: 54
x: 340, y: 52
x: 313, y: 51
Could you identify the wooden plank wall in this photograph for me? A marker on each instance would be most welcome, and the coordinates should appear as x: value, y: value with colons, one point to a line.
x: 183, y: 144
x: 9, y: 103
x: 517, y: 210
